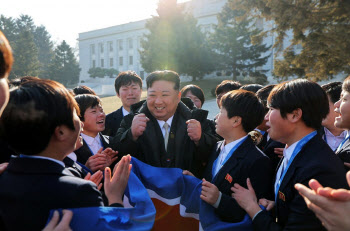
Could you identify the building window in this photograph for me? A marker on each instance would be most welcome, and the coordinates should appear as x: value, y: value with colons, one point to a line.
x: 101, y: 48
x: 120, y: 44
x: 92, y: 49
x: 110, y: 46
x: 102, y: 63
x: 131, y: 60
x: 111, y: 62
x: 120, y: 61
x: 93, y: 63
x: 130, y: 42
x: 142, y: 74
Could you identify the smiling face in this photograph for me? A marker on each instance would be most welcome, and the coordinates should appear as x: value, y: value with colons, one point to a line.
x: 342, y: 108
x: 162, y: 99
x: 94, y: 120
x: 129, y: 94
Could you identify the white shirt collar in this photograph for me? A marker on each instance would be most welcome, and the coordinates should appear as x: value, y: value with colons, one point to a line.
x: 44, y: 158
x: 328, y: 133
x: 72, y: 156
x: 125, y: 112
x: 90, y: 140
x: 162, y: 122
x: 287, y: 152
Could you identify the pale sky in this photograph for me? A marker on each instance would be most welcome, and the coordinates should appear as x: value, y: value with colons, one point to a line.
x: 64, y: 19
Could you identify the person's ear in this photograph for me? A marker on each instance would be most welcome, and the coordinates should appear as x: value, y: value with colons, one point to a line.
x: 236, y: 121
x: 60, y: 133
x: 296, y: 115
x: 179, y: 96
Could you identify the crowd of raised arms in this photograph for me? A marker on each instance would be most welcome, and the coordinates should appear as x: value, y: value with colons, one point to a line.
x: 285, y: 147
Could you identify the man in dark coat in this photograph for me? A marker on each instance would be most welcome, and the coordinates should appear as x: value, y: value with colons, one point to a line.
x: 162, y: 131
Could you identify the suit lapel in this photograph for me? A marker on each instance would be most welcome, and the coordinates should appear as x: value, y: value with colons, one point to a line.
x: 83, y: 153
x: 231, y: 163
x: 345, y: 146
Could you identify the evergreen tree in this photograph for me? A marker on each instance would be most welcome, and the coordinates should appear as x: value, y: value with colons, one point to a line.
x: 321, y: 27
x: 64, y: 67
x: 175, y: 42
x: 232, y: 40
x: 43, y: 42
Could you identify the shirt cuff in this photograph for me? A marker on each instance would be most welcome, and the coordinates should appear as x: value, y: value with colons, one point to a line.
x: 216, y: 205
x: 256, y: 215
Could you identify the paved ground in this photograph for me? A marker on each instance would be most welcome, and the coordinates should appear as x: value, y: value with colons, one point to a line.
x: 212, y: 107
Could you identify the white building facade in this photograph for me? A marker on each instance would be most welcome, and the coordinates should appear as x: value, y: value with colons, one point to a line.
x: 118, y: 46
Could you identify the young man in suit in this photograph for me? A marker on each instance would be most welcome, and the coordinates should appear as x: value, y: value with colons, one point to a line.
x: 236, y: 157
x: 128, y: 86
x: 41, y: 123
x: 332, y: 135
x: 95, y: 153
x: 297, y: 109
x: 269, y: 146
x: 342, y: 108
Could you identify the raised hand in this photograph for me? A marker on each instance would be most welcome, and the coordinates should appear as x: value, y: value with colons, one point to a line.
x: 194, y: 130
x: 138, y: 125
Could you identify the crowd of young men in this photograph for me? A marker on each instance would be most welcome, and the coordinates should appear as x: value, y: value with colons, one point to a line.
x: 63, y: 143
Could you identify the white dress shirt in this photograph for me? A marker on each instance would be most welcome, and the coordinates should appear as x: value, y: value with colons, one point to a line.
x: 332, y: 140
x: 287, y: 154
x: 72, y: 156
x: 161, y: 124
x: 125, y: 112
x: 94, y: 143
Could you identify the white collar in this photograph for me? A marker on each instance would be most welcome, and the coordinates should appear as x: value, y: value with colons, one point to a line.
x: 72, y: 156
x: 162, y: 122
x: 230, y: 145
x: 287, y: 152
x: 329, y: 133
x: 125, y: 112
x: 90, y: 140
x: 44, y: 158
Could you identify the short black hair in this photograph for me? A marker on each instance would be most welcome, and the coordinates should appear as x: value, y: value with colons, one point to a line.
x: 196, y: 91
x: 226, y: 86
x: 125, y: 78
x: 86, y: 101
x: 303, y: 94
x: 246, y: 105
x: 79, y: 90
x: 34, y: 111
x: 166, y: 75
x: 333, y: 90
x: 252, y: 87
x: 263, y: 94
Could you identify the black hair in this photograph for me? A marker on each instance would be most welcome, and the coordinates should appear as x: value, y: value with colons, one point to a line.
x: 226, y: 86
x: 333, y: 90
x: 166, y: 75
x: 252, y: 87
x: 86, y: 101
x: 34, y: 111
x: 346, y: 84
x: 125, y: 78
x: 196, y: 91
x: 246, y: 105
x: 263, y: 94
x: 303, y: 94
x: 79, y: 90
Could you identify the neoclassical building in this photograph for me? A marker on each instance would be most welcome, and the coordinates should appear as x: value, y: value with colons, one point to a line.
x: 117, y: 46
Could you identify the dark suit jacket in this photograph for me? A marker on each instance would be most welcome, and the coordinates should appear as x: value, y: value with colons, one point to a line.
x: 30, y: 188
x: 246, y: 162
x: 113, y: 120
x: 84, y: 152
x: 269, y: 150
x: 344, y: 153
x: 315, y: 161
x: 181, y: 152
x: 75, y: 168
